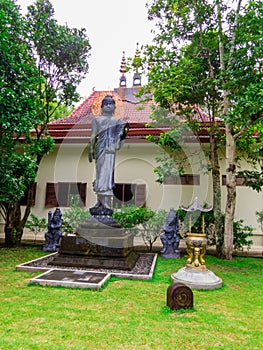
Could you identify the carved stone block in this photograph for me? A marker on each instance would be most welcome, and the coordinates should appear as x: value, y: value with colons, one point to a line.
x: 179, y: 296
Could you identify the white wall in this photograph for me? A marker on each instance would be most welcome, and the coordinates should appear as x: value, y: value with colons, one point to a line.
x: 135, y: 163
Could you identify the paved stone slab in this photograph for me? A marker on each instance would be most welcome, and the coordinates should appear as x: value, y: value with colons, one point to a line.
x: 72, y: 278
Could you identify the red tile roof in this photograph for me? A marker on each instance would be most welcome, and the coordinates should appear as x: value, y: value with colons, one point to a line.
x: 76, y: 128
x: 128, y: 110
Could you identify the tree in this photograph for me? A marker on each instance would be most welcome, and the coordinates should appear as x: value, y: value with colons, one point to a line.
x: 202, y: 55
x: 242, y: 72
x: 18, y: 83
x: 60, y: 56
x: 183, y: 76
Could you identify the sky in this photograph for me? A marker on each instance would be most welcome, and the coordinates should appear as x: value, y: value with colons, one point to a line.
x: 112, y: 27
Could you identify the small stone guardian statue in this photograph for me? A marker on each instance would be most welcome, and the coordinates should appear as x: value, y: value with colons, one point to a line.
x: 54, y: 233
x: 170, y: 239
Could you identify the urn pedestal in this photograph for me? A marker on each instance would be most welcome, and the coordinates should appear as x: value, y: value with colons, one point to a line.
x: 195, y: 274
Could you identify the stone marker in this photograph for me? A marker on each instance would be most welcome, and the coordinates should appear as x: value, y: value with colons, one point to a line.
x: 179, y: 296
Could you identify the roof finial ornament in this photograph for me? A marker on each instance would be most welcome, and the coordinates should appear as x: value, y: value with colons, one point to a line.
x: 136, y: 65
x: 123, y: 71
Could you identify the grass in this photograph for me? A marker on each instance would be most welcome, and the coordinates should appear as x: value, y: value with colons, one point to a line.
x: 130, y: 314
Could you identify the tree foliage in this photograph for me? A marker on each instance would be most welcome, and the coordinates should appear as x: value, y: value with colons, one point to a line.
x: 61, y: 55
x: 210, y: 54
x: 17, y: 105
x: 42, y: 63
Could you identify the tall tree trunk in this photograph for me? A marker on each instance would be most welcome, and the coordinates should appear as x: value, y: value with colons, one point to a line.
x: 13, y: 230
x: 15, y: 221
x: 231, y: 193
x: 216, y: 194
x: 230, y: 139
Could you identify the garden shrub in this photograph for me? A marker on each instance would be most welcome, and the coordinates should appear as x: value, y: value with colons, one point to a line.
x: 74, y: 216
x: 152, y: 228
x: 140, y: 221
x: 129, y: 216
x: 259, y: 215
x: 36, y: 225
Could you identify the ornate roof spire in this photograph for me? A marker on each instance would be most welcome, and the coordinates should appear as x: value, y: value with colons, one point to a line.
x: 136, y: 65
x: 123, y: 71
x: 137, y: 56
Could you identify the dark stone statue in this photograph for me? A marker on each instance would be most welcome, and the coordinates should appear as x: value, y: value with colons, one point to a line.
x: 107, y: 135
x: 54, y: 233
x: 101, y: 241
x: 170, y: 239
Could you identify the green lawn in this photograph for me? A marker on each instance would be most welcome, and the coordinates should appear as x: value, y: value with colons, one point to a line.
x: 130, y: 314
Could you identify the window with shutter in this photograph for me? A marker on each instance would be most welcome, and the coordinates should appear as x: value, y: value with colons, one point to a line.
x: 63, y: 194
x: 185, y: 179
x: 51, y: 195
x: 124, y: 193
x: 240, y: 180
x: 59, y: 194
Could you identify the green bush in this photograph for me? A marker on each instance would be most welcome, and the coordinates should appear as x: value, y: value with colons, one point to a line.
x: 129, y: 216
x: 140, y: 221
x: 241, y: 235
x: 74, y: 216
x: 36, y: 225
x: 152, y: 228
x: 259, y: 215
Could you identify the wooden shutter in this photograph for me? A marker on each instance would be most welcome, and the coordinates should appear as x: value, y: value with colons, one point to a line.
x: 185, y: 179
x: 23, y: 200
x: 128, y: 194
x: 140, y: 195
x: 192, y: 179
x: 63, y: 194
x: 240, y: 180
x: 51, y: 194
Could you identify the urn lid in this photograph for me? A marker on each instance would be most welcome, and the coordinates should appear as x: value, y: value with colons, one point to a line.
x: 196, y: 206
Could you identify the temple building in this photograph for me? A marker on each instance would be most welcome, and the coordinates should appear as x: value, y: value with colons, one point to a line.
x: 66, y: 171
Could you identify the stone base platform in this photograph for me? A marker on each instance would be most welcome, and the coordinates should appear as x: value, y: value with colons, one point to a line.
x: 197, y: 278
x: 99, y: 252
x: 143, y: 269
x: 97, y: 262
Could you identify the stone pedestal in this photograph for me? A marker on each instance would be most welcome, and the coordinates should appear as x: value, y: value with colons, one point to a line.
x: 197, y: 278
x: 101, y: 243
